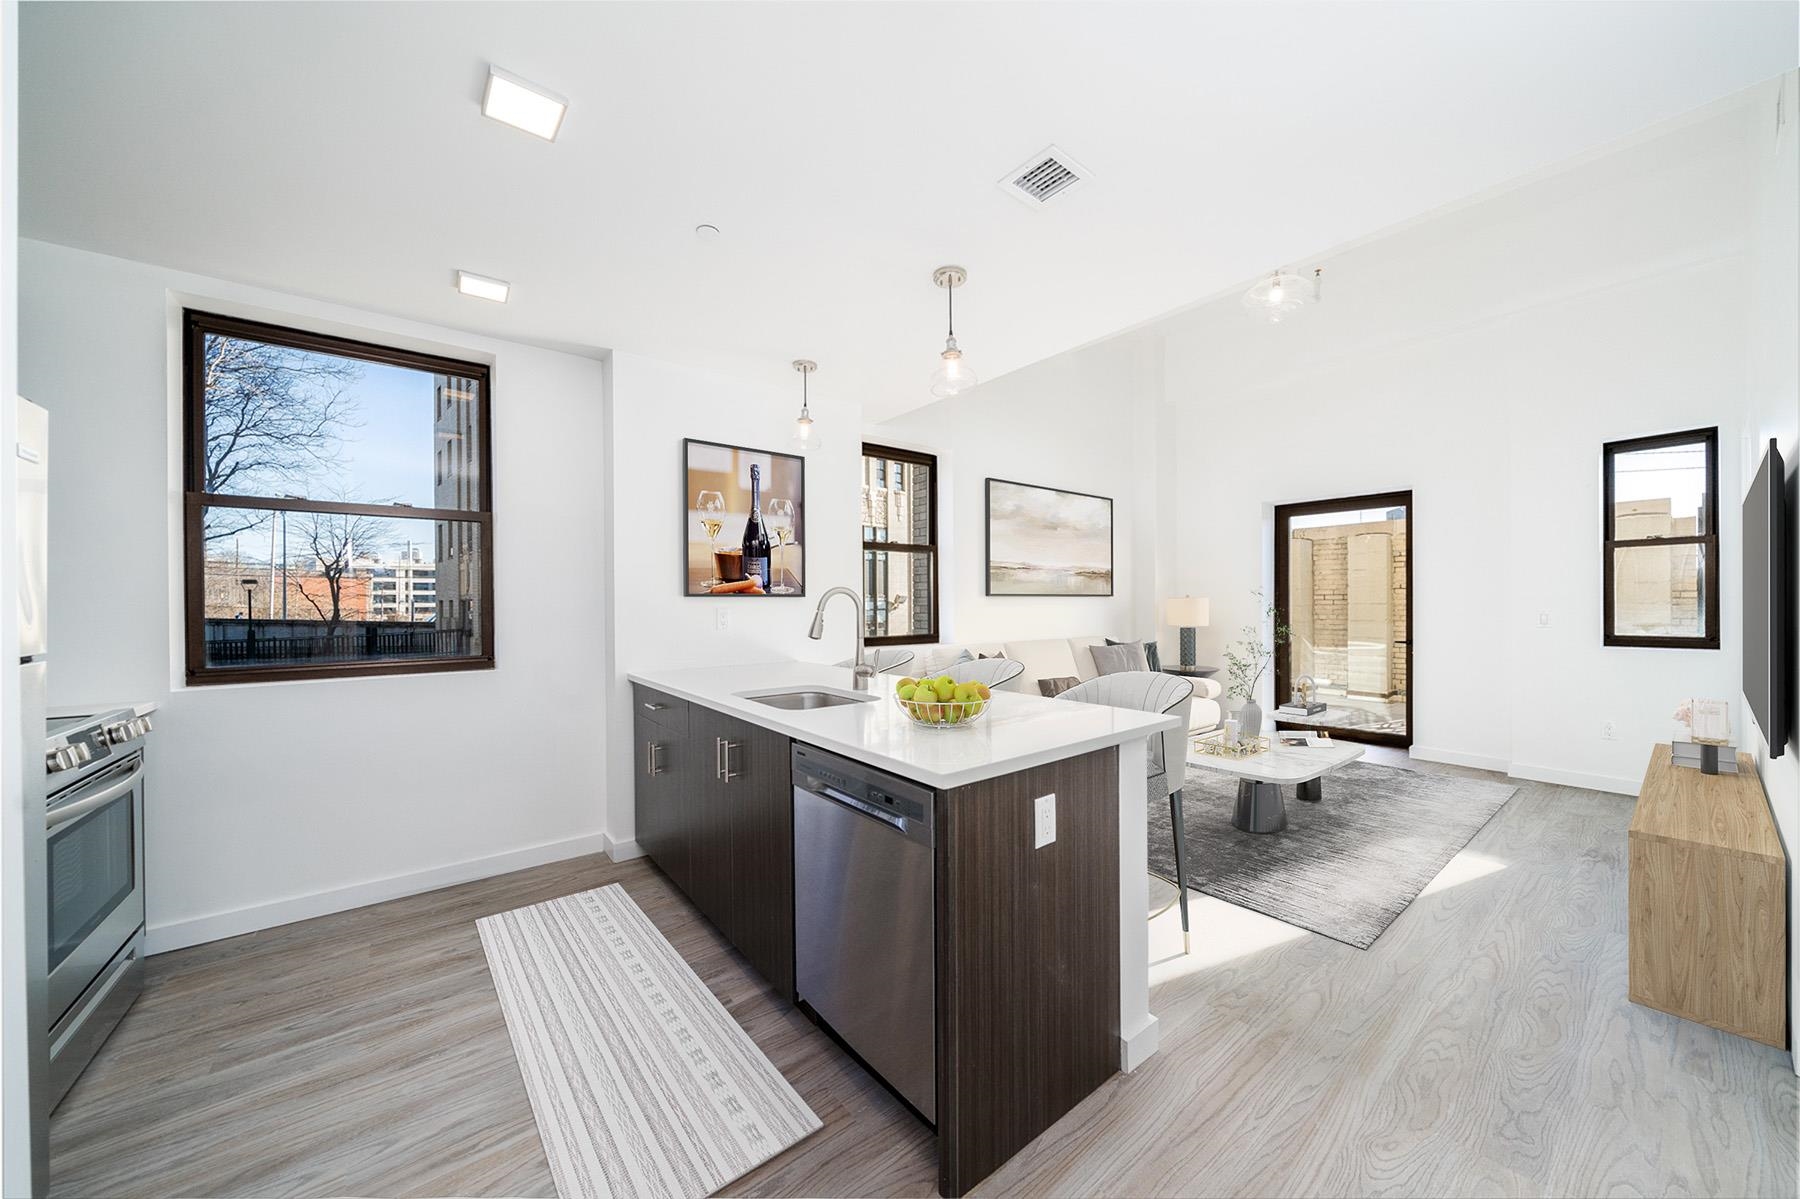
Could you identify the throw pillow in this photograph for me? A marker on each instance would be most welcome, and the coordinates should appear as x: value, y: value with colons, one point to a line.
x: 1055, y: 687
x: 969, y: 656
x: 1152, y: 652
x: 1113, y: 659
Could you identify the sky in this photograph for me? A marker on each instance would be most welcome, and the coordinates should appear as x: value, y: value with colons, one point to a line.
x: 387, y: 453
x: 390, y: 455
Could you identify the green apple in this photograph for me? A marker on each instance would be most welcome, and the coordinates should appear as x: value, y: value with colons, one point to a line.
x: 905, y: 690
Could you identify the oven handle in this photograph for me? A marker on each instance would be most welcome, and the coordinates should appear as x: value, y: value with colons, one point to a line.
x: 99, y: 799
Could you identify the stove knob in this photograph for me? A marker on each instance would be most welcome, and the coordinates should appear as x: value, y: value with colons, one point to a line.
x: 145, y: 721
x: 116, y: 733
x: 83, y: 752
x: 59, y: 760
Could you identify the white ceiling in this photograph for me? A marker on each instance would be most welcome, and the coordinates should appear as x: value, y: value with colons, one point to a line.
x: 337, y: 151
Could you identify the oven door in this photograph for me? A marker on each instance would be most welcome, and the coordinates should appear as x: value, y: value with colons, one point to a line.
x: 95, y: 871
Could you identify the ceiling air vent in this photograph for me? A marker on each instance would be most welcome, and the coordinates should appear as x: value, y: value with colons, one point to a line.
x: 1043, y: 177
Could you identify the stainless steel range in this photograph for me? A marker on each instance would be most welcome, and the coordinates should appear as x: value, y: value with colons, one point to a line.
x: 94, y: 876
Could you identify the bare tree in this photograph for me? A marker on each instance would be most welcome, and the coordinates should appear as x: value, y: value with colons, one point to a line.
x: 274, y: 414
x: 332, y: 538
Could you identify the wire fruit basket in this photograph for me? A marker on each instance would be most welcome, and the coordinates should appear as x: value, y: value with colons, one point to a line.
x: 943, y: 714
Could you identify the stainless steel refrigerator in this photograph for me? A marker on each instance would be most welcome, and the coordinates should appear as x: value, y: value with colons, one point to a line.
x: 33, y: 452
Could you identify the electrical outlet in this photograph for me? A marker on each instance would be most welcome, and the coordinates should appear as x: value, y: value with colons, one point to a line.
x: 1543, y: 620
x: 721, y: 618
x: 1046, y: 820
x: 1609, y: 730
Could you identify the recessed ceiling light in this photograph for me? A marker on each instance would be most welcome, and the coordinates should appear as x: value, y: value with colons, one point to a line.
x: 522, y: 105
x: 482, y: 287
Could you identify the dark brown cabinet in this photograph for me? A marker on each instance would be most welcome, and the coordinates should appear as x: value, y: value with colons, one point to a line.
x: 715, y: 812
x: 665, y: 780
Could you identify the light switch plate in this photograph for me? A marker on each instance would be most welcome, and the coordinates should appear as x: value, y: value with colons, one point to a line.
x: 1046, y: 820
x: 722, y: 617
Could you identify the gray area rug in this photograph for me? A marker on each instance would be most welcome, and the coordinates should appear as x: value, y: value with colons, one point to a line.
x: 641, y: 1082
x: 1344, y: 867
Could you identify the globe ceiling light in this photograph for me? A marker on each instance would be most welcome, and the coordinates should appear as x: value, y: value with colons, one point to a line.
x: 806, y: 432
x: 953, y: 376
x: 1282, y: 294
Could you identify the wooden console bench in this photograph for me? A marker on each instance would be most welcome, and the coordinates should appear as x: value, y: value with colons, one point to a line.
x: 1709, y: 900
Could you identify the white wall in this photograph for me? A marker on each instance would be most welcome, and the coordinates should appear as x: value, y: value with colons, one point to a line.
x: 1479, y: 358
x: 652, y: 405
x: 1082, y: 421
x: 273, y: 802
x: 1772, y: 396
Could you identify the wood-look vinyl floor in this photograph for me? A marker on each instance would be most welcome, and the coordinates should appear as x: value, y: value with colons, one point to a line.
x: 1484, y: 1045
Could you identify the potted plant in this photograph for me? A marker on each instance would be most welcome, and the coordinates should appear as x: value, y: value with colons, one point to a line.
x: 1248, y: 658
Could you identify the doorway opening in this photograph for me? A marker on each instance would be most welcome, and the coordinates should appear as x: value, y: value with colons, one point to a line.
x: 1343, y: 586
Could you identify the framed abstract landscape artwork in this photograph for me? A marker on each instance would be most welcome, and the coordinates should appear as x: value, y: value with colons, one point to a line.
x: 1044, y: 541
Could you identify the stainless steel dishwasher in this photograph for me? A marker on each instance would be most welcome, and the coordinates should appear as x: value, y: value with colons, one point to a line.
x: 864, y: 916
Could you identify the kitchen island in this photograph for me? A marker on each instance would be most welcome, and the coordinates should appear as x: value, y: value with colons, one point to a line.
x: 1041, y: 985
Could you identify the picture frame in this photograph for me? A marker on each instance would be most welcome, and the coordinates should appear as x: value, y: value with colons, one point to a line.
x: 718, y: 473
x: 1047, y: 541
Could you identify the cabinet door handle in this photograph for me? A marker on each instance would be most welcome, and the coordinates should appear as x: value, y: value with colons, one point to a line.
x: 729, y: 774
x: 652, y: 769
x: 718, y: 757
x: 649, y: 707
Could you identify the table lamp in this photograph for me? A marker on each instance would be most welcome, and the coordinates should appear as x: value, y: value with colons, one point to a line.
x: 1187, y: 613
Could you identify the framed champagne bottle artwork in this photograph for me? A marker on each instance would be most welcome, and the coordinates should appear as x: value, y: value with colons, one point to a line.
x: 743, y: 521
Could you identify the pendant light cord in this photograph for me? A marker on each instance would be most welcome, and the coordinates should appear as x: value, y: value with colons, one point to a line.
x: 952, y: 290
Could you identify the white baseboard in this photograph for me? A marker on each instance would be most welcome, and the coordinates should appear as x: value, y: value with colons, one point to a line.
x: 1455, y: 757
x: 179, y: 934
x: 623, y: 851
x: 1135, y: 1049
x: 1574, y: 778
x: 1527, y: 770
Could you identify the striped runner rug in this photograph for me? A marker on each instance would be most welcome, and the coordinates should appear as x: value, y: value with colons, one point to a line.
x: 641, y: 1082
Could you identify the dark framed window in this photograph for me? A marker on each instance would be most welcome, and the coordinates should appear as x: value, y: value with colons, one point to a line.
x: 338, y: 506
x: 1660, y: 532
x: 899, y: 528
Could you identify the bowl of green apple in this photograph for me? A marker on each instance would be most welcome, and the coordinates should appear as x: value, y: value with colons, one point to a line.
x: 942, y: 703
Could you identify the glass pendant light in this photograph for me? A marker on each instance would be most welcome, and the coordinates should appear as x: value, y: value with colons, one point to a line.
x: 806, y: 433
x: 953, y: 376
x: 1282, y: 294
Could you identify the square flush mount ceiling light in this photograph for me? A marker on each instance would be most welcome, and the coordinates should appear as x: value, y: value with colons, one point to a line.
x: 522, y: 105
x: 482, y: 287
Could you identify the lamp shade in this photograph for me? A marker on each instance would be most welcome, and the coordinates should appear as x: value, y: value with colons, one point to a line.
x: 1187, y: 612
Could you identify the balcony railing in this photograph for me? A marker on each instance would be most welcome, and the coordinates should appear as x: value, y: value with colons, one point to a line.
x: 289, y: 642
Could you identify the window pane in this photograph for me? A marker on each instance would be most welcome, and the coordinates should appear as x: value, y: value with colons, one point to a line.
x: 1659, y: 591
x: 1660, y: 492
x: 897, y: 504
x: 897, y: 594
x: 306, y: 424
x: 312, y: 588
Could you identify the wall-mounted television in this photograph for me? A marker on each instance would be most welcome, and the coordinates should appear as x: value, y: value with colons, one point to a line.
x: 1768, y: 610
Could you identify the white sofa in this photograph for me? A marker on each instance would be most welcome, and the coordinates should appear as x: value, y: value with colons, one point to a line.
x: 1053, y: 658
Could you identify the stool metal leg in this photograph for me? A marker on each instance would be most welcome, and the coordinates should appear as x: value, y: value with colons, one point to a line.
x: 1312, y: 790
x: 1180, y: 830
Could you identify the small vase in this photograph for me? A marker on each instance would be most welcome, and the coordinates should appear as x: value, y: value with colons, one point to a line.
x: 1250, y: 719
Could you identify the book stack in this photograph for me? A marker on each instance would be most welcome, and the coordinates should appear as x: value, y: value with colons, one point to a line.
x: 1706, y: 757
x: 1294, y: 711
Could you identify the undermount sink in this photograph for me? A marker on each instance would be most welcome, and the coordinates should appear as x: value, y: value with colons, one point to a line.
x: 807, y: 700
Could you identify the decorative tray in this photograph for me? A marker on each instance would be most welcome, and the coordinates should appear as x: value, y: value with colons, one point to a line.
x: 1215, y: 744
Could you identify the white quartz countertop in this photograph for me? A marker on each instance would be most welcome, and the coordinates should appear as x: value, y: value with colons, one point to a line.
x: 1015, y: 733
